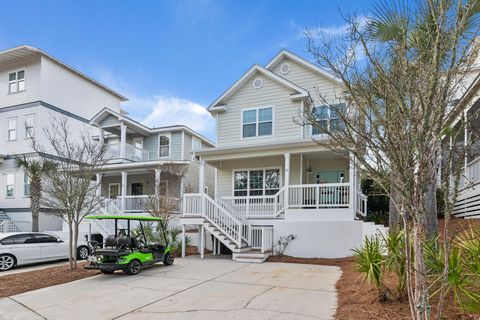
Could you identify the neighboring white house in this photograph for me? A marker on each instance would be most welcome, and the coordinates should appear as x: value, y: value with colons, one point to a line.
x: 34, y: 88
x: 272, y: 179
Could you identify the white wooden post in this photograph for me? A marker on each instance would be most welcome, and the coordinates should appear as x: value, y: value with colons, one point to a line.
x: 124, y: 190
x: 102, y: 136
x: 262, y: 250
x: 123, y: 140
x: 98, y: 192
x: 214, y: 246
x: 287, y: 179
x: 183, y: 241
x: 158, y: 174
x: 465, y: 143
x: 201, y: 185
x: 351, y: 183
x: 202, y: 241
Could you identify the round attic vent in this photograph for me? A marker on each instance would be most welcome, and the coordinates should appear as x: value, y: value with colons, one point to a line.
x: 285, y: 68
x: 257, y: 83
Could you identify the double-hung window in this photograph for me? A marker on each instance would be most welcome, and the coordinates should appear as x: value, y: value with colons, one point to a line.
x: 29, y: 126
x: 257, y: 122
x: 16, y: 81
x: 256, y: 182
x: 26, y: 185
x: 10, y: 184
x: 164, y: 146
x: 328, y: 118
x: 12, y: 129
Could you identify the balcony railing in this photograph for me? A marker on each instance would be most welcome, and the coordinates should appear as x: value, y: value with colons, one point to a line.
x: 131, y: 152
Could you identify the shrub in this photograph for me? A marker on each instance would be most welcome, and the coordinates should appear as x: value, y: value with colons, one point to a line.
x: 282, y: 244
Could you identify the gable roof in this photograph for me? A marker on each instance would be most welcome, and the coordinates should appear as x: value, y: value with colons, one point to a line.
x: 307, y: 64
x: 24, y: 51
x: 106, y: 112
x: 268, y: 74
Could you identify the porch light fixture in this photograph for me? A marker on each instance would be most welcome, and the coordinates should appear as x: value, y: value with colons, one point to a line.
x: 309, y: 170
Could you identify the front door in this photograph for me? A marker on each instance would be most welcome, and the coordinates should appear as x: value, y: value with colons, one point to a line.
x: 336, y: 176
x: 137, y: 189
x: 113, y: 190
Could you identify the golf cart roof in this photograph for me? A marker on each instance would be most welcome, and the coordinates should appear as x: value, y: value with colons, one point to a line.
x: 139, y: 218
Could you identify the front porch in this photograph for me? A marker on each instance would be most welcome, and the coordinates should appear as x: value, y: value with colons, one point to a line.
x: 132, y: 190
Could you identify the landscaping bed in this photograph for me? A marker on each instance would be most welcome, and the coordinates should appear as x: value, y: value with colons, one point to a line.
x: 32, y: 280
x: 357, y: 300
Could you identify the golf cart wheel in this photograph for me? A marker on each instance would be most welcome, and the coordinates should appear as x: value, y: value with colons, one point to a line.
x: 82, y: 252
x: 133, y: 267
x: 168, y: 259
x: 7, y: 262
x: 107, y: 271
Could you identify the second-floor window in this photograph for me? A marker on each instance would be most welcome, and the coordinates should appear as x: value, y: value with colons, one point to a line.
x: 328, y: 118
x: 10, y: 184
x: 12, y: 129
x: 16, y: 81
x: 257, y: 122
x: 29, y: 125
x: 26, y: 185
x: 164, y: 146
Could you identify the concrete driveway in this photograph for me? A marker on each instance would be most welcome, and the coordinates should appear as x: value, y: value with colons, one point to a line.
x: 213, y: 288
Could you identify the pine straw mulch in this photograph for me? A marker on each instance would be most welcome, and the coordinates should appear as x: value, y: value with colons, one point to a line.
x: 32, y: 280
x: 357, y: 300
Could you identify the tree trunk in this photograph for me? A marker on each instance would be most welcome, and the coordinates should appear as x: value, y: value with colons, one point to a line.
x: 35, y: 195
x: 75, y: 241
x: 70, y: 241
x: 421, y: 298
x: 431, y: 219
x: 393, y: 215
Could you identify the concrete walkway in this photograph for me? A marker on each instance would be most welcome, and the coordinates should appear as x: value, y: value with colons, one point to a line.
x: 191, y: 289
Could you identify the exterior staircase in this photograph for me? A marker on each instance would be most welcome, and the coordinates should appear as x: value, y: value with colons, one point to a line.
x: 228, y: 227
x: 6, y: 224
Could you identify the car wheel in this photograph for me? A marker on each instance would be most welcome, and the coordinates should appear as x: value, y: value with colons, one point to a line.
x: 7, y: 262
x: 107, y: 271
x: 168, y: 259
x: 82, y: 253
x: 133, y: 267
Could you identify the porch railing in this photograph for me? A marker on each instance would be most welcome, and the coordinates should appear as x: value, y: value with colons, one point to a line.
x: 361, y: 205
x: 131, y: 152
x: 328, y: 195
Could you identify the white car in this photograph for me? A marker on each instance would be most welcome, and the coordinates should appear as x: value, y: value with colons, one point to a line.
x: 18, y: 248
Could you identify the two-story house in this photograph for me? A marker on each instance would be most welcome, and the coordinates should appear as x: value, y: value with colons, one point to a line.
x: 273, y: 179
x: 35, y: 87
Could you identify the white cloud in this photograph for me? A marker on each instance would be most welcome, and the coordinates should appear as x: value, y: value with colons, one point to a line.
x: 167, y: 110
x: 158, y: 109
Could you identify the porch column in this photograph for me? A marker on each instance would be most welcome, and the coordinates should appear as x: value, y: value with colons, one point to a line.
x: 183, y: 241
x: 98, y: 191
x: 287, y: 179
x: 124, y: 190
x: 158, y: 174
x: 123, y: 140
x: 202, y: 241
x: 101, y: 135
x: 201, y: 182
x: 352, y: 183
x: 214, y: 246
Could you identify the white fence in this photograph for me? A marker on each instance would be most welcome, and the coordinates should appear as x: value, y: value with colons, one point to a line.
x: 262, y: 238
x: 15, y: 226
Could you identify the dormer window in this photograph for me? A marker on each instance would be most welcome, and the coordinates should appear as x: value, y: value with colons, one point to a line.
x: 164, y: 146
x: 257, y: 122
x: 16, y: 81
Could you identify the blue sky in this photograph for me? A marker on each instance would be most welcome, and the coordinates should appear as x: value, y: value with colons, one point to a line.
x: 171, y: 58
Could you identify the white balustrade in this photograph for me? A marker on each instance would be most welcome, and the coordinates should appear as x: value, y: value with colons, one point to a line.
x: 262, y: 238
x: 131, y: 152
x: 328, y: 195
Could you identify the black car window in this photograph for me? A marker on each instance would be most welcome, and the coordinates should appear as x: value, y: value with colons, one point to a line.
x: 19, y: 239
x: 44, y: 238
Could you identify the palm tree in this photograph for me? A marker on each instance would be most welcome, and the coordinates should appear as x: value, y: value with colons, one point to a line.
x: 34, y: 169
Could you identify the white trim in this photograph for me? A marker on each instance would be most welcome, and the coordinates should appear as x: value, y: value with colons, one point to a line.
x: 169, y: 135
x: 285, y: 53
x: 255, y: 68
x: 257, y: 122
x: 119, y: 189
x: 254, y: 169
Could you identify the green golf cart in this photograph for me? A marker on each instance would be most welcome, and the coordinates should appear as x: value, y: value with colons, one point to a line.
x: 123, y: 251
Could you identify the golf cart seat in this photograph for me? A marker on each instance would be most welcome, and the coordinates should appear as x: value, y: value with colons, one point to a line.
x: 115, y: 246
